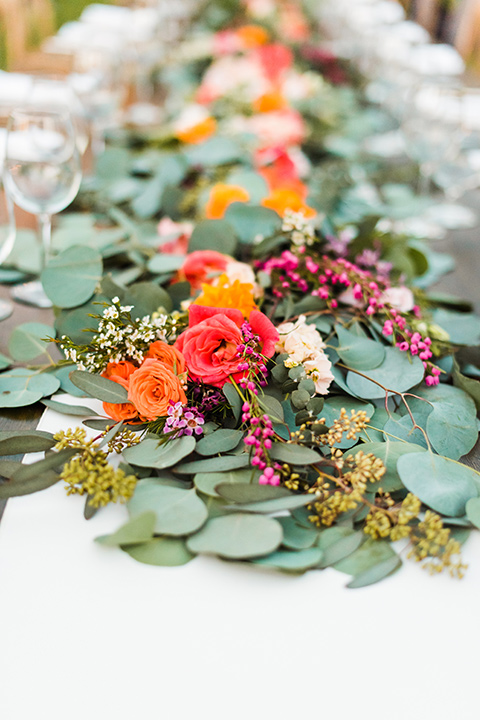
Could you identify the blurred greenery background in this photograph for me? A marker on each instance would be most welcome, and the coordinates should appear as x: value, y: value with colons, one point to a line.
x: 66, y: 10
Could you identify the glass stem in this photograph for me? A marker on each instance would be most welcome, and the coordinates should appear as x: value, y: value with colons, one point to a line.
x: 45, y: 224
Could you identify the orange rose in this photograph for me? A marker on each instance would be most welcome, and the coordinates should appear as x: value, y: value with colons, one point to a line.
x: 168, y: 355
x: 221, y: 196
x: 121, y: 411
x: 198, y: 133
x: 286, y: 198
x: 269, y: 101
x: 122, y: 369
x: 252, y: 36
x: 151, y: 388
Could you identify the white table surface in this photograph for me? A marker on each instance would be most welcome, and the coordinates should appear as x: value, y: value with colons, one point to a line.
x: 87, y: 632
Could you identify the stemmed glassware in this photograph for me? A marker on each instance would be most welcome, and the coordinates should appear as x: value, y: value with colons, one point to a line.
x: 42, y: 175
x: 7, y: 238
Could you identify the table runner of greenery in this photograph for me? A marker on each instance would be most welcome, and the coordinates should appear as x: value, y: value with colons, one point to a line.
x: 282, y: 386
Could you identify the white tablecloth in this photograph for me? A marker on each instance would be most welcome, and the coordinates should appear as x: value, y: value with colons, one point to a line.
x: 87, y: 632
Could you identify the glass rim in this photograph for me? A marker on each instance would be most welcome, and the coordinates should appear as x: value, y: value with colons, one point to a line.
x: 41, y: 112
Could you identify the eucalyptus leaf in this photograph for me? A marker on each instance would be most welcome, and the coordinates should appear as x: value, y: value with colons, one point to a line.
x: 294, y: 454
x: 295, y: 536
x: 214, y: 464
x: 292, y: 561
x: 472, y: 509
x: 220, y: 441
x: 138, y: 529
x: 251, y: 221
x: 164, y: 552
x: 27, y: 341
x: 389, y: 452
x: 149, y: 453
x: 206, y: 482
x: 398, y: 372
x: 358, y: 352
x: 66, y: 409
x: 442, y: 484
x: 14, y: 443
x: 237, y: 536
x: 178, y: 511
x: 339, y: 544
x: 280, y: 504
x: 233, y: 399
x: 213, y: 235
x: 251, y: 493
x: 376, y: 573
x: 71, y: 277
x: 99, y: 387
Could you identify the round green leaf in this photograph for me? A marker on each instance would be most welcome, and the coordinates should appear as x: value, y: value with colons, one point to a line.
x: 165, y: 263
x: 441, y: 483
x: 138, y: 529
x: 206, y: 482
x: 389, y: 452
x: 397, y: 372
x: 19, y: 387
x: 165, y: 552
x: 27, y: 340
x: 214, y: 464
x: 376, y: 573
x: 358, y: 352
x: 146, y: 298
x: 148, y: 453
x: 472, y: 509
x: 213, y: 235
x: 293, y: 561
x: 295, y: 536
x: 294, y: 454
x: 251, y: 221
x: 238, y: 536
x: 451, y: 425
x: 179, y: 512
x: 70, y: 278
x: 219, y: 441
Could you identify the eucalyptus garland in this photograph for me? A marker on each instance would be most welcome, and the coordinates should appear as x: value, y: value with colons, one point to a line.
x: 239, y: 291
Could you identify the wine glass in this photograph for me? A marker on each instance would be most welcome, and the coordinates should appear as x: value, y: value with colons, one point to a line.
x: 42, y: 175
x: 7, y: 231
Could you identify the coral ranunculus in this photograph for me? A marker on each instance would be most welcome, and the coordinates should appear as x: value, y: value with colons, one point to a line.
x: 167, y: 354
x: 195, y: 125
x: 226, y: 294
x: 287, y: 198
x: 221, y: 196
x: 210, y: 342
x: 203, y: 266
x: 269, y: 102
x: 151, y: 388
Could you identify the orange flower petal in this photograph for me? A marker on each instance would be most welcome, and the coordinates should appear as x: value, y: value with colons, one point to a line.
x: 221, y: 196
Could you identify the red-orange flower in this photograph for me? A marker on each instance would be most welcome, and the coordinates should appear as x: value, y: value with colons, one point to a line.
x: 202, y: 266
x: 270, y: 101
x: 210, y: 342
x: 221, y: 196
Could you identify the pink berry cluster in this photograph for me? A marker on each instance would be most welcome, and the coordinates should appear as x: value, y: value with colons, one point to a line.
x: 412, y: 342
x: 252, y: 362
x: 259, y: 438
x: 326, y: 278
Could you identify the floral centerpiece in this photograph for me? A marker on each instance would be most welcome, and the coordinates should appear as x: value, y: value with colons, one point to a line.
x: 279, y: 392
